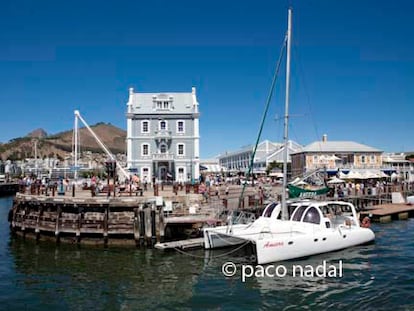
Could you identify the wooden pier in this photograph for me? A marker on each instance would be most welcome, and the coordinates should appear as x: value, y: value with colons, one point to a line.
x: 388, y: 212
x: 150, y: 217
x: 89, y: 221
x: 135, y: 221
x: 83, y: 217
x: 182, y: 244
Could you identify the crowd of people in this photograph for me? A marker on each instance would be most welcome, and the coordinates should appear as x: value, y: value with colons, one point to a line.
x: 362, y: 188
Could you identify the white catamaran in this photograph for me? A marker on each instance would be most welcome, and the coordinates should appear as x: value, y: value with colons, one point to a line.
x: 294, y: 229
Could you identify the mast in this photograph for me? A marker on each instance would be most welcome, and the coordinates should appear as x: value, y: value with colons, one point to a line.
x: 286, y: 117
x: 36, y: 164
x: 76, y: 147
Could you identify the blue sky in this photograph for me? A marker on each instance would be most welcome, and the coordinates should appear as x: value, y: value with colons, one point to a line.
x: 352, y: 66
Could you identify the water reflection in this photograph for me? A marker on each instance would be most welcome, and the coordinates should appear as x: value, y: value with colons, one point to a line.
x: 104, y: 279
x: 379, y: 276
x: 293, y: 292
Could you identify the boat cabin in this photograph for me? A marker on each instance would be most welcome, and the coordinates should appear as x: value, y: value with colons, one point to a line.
x: 326, y: 214
x: 273, y: 210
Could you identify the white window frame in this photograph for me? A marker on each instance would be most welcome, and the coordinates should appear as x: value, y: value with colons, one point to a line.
x: 363, y: 159
x: 166, y: 125
x: 163, y: 104
x: 142, y: 126
x: 142, y: 149
x: 178, y: 127
x: 178, y: 149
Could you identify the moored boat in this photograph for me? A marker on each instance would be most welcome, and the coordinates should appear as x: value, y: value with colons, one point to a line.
x: 312, y: 227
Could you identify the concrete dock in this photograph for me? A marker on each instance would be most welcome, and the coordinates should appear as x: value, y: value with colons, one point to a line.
x: 388, y: 212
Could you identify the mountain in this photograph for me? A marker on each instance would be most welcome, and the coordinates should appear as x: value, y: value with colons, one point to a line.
x: 38, y: 133
x: 60, y: 145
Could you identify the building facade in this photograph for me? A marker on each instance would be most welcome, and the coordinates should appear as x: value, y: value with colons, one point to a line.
x: 163, y: 136
x: 398, y: 163
x: 336, y: 157
x: 267, y: 152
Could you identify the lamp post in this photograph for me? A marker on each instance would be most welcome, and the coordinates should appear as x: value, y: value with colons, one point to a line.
x: 191, y: 171
x: 110, y: 170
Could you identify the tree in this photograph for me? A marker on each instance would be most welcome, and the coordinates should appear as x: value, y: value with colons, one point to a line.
x: 410, y: 157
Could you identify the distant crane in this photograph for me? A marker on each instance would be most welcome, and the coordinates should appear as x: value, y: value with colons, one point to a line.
x: 101, y: 144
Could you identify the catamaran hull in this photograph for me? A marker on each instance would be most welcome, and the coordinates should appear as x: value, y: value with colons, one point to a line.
x: 220, y: 237
x: 224, y: 236
x: 296, y: 245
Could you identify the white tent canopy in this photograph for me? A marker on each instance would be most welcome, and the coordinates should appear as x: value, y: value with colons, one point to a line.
x: 365, y: 174
x: 351, y: 175
x: 336, y: 180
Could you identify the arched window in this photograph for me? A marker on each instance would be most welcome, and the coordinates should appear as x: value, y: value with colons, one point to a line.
x: 312, y: 216
x: 163, y: 148
x: 269, y: 210
x: 297, y: 215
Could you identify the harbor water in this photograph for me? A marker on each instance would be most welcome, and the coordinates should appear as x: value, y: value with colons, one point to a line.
x: 44, y: 276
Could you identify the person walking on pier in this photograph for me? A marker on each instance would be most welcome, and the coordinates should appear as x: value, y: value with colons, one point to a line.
x: 202, y: 189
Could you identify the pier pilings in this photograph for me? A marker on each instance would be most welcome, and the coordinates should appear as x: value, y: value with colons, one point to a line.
x: 88, y: 221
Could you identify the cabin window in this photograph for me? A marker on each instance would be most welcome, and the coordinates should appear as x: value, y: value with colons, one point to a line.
x: 298, y: 213
x: 312, y: 215
x: 269, y: 210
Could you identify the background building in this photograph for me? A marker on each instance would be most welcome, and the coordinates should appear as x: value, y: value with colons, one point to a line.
x: 336, y: 157
x: 398, y: 164
x: 267, y: 152
x: 163, y: 136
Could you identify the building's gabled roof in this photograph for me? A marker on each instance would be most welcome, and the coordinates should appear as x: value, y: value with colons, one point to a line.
x: 263, y: 149
x: 278, y: 155
x: 181, y: 102
x: 337, y: 146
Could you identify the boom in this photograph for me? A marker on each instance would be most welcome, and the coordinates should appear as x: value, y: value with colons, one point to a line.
x: 101, y: 144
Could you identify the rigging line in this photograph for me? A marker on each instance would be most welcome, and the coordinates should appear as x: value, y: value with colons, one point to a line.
x: 269, y: 97
x: 217, y: 256
x: 308, y: 102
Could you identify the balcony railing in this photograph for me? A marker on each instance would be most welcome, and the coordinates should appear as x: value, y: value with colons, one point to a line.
x: 163, y: 156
